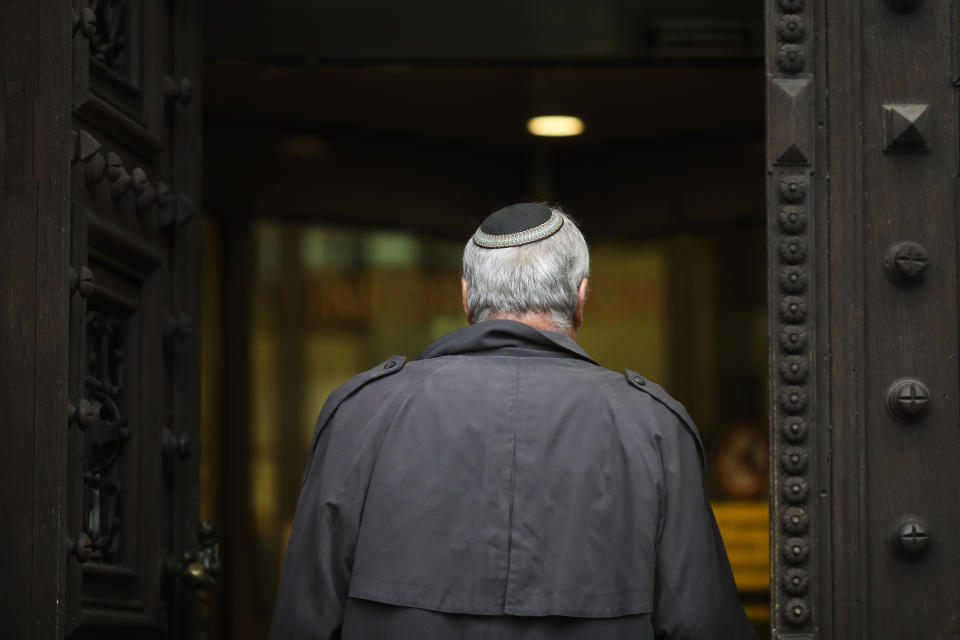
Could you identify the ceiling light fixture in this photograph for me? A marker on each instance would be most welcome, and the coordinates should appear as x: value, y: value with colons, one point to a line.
x: 555, y: 126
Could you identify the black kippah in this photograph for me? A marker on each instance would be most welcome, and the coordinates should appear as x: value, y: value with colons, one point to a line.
x: 517, y: 225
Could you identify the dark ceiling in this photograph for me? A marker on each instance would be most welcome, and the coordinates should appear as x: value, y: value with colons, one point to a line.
x: 468, y: 72
x: 511, y: 31
x: 489, y: 106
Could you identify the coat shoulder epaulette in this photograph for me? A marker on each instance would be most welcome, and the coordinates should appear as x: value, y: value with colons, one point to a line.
x: 656, y: 392
x: 388, y: 367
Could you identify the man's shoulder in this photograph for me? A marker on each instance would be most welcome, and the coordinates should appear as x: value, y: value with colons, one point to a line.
x: 375, y: 376
x: 645, y: 396
x: 634, y: 389
x: 385, y: 377
x: 636, y: 382
x: 382, y: 370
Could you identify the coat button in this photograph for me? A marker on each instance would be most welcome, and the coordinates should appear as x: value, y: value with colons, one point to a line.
x: 390, y: 365
x: 640, y: 381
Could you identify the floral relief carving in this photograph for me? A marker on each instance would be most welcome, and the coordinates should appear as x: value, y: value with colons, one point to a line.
x: 793, y: 188
x: 795, y: 581
x: 793, y: 219
x: 792, y: 249
x: 791, y: 57
x: 793, y: 400
x: 794, y: 369
x: 795, y: 490
x: 790, y: 28
x: 795, y: 520
x: 793, y: 309
x: 794, y: 459
x: 789, y: 23
x: 796, y: 550
x: 793, y: 339
x: 793, y: 279
x: 794, y: 429
x: 797, y: 611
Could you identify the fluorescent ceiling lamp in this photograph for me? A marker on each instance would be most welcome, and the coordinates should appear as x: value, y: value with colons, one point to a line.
x: 555, y: 126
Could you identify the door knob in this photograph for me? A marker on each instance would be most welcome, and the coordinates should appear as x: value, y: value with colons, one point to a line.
x: 198, y: 569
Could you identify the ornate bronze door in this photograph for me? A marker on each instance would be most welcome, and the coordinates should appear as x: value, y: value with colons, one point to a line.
x: 98, y: 279
x: 135, y: 554
x: 862, y: 151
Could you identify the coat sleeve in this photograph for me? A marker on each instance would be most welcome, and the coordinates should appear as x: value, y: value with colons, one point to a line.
x: 696, y: 597
x: 319, y: 557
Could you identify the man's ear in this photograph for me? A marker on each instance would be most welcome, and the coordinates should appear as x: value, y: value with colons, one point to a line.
x: 463, y: 293
x: 581, y: 301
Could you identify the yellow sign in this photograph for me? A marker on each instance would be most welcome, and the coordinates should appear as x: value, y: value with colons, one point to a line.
x: 745, y: 527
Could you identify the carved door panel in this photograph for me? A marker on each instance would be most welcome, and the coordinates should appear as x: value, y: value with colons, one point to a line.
x: 862, y: 152
x: 135, y: 559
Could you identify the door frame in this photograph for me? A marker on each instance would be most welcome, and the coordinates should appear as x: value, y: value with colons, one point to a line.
x: 36, y: 147
x: 799, y: 522
x: 843, y: 191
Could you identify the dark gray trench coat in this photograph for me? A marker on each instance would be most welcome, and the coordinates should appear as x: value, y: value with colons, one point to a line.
x: 504, y: 485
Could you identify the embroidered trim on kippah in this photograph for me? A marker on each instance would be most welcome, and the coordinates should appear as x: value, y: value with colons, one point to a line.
x: 539, y: 232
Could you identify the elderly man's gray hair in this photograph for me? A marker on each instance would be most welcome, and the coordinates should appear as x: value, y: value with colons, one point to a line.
x: 541, y: 277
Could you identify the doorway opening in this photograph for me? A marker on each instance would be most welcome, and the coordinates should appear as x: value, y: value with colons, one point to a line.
x: 341, y: 194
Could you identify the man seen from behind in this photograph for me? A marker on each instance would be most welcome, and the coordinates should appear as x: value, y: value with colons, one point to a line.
x: 505, y: 485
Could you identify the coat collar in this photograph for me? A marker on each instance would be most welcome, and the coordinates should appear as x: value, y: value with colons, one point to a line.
x: 493, y: 336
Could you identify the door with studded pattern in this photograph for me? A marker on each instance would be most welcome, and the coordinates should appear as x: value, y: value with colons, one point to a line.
x: 862, y: 161
x: 135, y: 556
x: 99, y: 145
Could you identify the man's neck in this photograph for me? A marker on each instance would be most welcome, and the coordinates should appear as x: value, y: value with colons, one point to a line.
x: 537, y: 321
